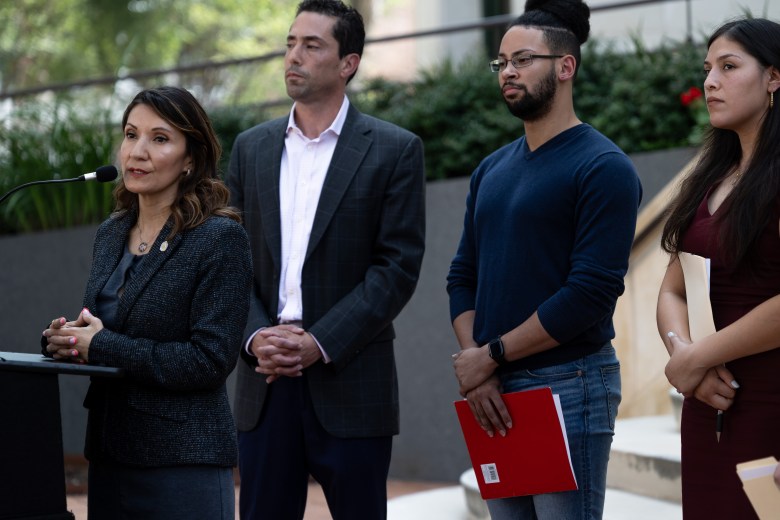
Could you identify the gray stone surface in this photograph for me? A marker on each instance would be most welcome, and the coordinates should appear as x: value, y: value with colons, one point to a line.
x: 657, y: 168
x: 430, y: 446
x: 645, y: 458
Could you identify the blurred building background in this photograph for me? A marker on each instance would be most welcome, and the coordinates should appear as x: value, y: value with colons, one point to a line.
x: 618, y: 21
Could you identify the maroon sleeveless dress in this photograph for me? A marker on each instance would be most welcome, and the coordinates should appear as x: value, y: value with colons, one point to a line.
x: 711, y: 488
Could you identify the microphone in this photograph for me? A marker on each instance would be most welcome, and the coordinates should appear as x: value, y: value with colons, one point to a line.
x: 103, y: 174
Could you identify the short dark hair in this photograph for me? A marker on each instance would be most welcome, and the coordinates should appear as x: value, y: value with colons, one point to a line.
x: 348, y: 30
x: 564, y: 23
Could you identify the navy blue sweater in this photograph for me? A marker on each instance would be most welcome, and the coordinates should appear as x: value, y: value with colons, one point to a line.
x: 547, y: 231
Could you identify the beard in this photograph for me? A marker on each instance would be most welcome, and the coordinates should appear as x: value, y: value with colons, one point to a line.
x: 532, y: 107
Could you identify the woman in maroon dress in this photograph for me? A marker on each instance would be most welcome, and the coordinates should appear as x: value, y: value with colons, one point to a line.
x: 728, y: 210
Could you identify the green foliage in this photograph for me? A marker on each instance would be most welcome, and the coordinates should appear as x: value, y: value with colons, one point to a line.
x: 52, y: 141
x: 634, y: 97
x: 456, y: 110
x: 230, y: 121
x: 57, y: 41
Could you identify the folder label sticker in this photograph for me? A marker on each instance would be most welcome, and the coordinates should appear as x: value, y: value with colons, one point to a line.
x: 490, y: 473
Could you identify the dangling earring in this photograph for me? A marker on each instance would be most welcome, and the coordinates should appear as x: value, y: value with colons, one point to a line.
x: 188, y: 172
x: 771, y: 100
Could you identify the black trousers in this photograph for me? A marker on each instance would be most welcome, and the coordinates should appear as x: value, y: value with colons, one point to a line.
x: 289, y: 444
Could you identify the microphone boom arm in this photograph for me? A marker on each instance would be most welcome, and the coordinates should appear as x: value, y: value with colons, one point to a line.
x: 103, y: 174
x: 47, y: 181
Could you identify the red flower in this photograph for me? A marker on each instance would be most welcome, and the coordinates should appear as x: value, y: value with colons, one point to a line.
x: 691, y: 95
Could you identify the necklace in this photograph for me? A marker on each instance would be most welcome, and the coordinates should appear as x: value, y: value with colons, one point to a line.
x: 155, y: 220
x: 143, y: 246
x: 736, y: 176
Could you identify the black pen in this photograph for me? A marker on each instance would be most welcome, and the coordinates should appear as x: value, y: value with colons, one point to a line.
x: 719, y: 417
x: 719, y: 425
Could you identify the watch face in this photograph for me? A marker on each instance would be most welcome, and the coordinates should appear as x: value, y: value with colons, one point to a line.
x: 496, y: 351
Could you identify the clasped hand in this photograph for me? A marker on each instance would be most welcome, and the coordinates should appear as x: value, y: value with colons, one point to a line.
x: 71, y: 339
x: 712, y: 385
x: 284, y: 350
x: 473, y: 367
x: 475, y: 371
x: 681, y: 370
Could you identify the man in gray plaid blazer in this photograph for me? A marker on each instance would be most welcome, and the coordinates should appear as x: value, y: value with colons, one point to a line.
x: 333, y: 202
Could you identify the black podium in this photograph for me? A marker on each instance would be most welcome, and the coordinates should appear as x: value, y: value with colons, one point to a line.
x: 32, y: 469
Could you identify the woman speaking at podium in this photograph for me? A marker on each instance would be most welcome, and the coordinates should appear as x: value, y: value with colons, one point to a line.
x: 167, y: 301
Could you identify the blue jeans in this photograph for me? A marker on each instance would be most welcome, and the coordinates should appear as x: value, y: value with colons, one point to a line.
x: 589, y: 389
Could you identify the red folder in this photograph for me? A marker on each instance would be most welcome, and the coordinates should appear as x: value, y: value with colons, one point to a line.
x: 532, y: 459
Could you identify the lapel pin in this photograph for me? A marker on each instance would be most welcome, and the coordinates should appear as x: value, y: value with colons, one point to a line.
x: 164, y: 246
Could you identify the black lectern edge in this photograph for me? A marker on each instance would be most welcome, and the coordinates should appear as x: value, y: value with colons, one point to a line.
x: 37, y: 363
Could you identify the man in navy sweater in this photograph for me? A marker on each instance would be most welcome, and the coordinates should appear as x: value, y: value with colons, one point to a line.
x: 549, y: 223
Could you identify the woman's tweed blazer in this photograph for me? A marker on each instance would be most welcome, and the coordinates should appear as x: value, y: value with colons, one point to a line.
x: 179, y: 325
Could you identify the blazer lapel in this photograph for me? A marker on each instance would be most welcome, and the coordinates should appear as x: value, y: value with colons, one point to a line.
x: 269, y: 165
x: 159, y: 253
x: 352, y: 146
x: 107, y: 256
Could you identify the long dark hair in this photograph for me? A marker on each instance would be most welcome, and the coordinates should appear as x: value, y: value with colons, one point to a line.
x: 749, y: 206
x: 201, y: 192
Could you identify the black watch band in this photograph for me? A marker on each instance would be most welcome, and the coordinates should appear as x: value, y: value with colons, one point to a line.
x: 496, y: 351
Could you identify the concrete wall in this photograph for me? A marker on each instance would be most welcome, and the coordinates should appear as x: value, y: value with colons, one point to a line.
x: 637, y: 342
x: 43, y: 276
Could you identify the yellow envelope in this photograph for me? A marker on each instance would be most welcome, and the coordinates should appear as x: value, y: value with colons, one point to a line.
x: 759, y: 484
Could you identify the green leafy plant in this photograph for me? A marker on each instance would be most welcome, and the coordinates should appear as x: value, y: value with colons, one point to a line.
x: 48, y: 141
x: 456, y: 110
x: 230, y: 121
x: 632, y: 96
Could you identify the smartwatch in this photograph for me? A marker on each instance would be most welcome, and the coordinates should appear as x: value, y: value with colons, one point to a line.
x: 496, y: 351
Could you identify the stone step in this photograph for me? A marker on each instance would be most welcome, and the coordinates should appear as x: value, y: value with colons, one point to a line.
x: 622, y: 505
x: 643, y: 480
x: 645, y: 457
x: 450, y: 503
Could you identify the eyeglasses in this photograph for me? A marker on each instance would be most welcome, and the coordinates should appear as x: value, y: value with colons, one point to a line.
x: 520, y: 61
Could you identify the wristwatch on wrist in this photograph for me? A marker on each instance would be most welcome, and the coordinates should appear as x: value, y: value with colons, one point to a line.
x: 496, y: 351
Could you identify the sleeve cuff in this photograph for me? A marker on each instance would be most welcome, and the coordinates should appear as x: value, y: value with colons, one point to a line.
x: 325, y: 357
x: 248, y: 344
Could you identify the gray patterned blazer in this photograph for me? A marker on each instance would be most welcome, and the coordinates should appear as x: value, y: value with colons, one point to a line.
x: 179, y: 326
x: 361, y: 267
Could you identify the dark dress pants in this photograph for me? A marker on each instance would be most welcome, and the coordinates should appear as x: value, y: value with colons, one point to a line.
x: 289, y: 444
x: 119, y: 492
